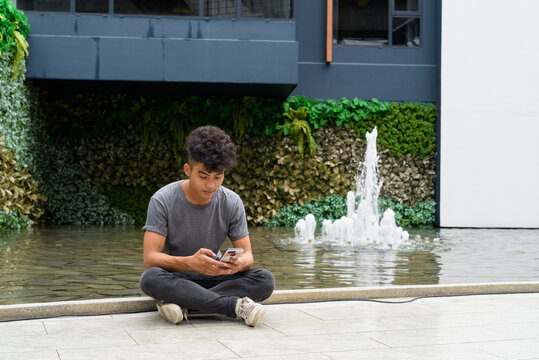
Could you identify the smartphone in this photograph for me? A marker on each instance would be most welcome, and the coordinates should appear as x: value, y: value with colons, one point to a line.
x: 231, y: 254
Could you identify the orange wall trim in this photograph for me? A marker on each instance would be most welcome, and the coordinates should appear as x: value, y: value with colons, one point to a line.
x: 329, y: 31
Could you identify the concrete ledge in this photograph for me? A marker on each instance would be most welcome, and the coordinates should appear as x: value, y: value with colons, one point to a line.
x: 79, y: 307
x: 141, y: 304
x: 383, y: 292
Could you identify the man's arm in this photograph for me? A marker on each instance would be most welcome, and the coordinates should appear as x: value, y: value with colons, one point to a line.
x: 200, y: 262
x: 153, y: 255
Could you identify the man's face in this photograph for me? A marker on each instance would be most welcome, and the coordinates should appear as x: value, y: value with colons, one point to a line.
x: 203, y: 183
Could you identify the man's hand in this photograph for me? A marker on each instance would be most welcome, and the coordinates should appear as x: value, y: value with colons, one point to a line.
x: 203, y: 261
x: 245, y: 261
x: 236, y: 265
x: 200, y: 262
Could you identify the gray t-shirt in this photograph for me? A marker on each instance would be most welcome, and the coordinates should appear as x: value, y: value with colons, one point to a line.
x: 189, y: 227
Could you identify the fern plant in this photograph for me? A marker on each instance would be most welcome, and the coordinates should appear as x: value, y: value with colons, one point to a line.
x: 242, y: 120
x: 180, y: 126
x: 298, y: 127
x: 14, y: 28
x: 156, y: 120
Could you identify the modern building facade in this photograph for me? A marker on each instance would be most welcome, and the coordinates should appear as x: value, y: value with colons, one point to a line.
x: 379, y: 48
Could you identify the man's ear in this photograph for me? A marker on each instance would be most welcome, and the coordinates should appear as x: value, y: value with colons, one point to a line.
x: 187, y: 169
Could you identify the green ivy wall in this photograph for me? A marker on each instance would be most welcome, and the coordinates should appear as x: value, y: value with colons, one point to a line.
x: 128, y: 156
x: 98, y: 158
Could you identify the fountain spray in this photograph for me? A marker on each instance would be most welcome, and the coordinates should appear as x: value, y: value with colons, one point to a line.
x: 362, y: 224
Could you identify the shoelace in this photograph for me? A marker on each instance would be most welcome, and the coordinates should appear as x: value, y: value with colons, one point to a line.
x: 185, y: 312
x: 246, y: 307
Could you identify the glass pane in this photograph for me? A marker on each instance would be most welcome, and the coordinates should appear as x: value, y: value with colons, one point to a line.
x: 92, y: 6
x: 163, y: 7
x: 265, y: 8
x: 220, y: 8
x: 362, y: 22
x: 44, y: 5
x: 406, y: 32
x: 406, y: 5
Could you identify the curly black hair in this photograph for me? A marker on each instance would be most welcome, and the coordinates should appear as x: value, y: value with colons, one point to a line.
x: 212, y: 147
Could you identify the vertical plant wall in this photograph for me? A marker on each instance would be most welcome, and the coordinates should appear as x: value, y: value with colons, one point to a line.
x: 36, y: 176
x: 305, y: 151
x: 20, y: 200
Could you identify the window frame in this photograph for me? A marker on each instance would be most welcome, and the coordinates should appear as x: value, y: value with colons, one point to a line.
x: 201, y: 15
x: 399, y: 14
x: 391, y: 14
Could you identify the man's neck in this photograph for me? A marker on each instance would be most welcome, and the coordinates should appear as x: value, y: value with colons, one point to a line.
x: 191, y: 196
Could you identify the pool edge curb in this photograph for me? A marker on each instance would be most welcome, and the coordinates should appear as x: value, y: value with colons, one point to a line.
x: 144, y: 303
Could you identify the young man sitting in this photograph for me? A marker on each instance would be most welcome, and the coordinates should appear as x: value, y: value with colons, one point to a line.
x: 187, y: 223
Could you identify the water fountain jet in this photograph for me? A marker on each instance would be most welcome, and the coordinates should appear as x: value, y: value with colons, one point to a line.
x: 362, y: 224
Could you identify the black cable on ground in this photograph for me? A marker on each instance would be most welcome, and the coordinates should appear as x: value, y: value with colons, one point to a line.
x: 405, y: 301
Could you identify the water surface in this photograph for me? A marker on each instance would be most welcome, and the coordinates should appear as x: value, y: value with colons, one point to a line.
x: 72, y: 263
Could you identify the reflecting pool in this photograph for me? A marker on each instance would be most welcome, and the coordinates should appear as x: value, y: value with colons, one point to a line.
x: 71, y: 263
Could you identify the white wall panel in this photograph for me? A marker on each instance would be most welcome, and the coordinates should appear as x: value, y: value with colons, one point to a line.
x: 489, y: 173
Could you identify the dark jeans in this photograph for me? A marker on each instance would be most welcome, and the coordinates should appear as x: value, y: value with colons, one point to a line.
x: 212, y: 294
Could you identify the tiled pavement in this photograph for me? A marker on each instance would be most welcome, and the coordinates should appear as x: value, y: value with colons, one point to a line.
x: 464, y: 327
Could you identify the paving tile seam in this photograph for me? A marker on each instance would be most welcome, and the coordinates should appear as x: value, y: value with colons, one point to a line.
x: 483, y: 342
x: 277, y: 330
x: 132, y: 338
x: 45, y: 327
x: 127, y: 346
x: 228, y: 348
x: 311, y: 315
x: 386, y: 346
x: 142, y: 304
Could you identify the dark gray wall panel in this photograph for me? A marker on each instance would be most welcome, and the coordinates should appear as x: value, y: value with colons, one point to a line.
x: 62, y: 57
x: 310, y: 18
x: 102, y: 47
x: 128, y: 59
x: 257, y: 62
x: 104, y: 25
x: 365, y: 81
x: 372, y: 55
x: 390, y: 73
x: 51, y: 24
x: 151, y: 59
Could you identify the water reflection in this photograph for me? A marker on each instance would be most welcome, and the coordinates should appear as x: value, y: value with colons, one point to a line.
x: 422, y: 267
x: 500, y: 255
x: 68, y: 263
x: 308, y: 265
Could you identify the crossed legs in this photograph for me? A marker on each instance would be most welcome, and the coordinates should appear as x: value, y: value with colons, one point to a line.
x: 212, y: 294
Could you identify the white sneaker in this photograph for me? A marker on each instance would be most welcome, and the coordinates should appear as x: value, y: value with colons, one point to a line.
x: 170, y: 312
x: 249, y: 311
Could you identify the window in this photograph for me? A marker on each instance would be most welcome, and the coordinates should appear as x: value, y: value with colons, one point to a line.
x: 221, y: 8
x: 248, y: 8
x: 406, y: 5
x: 92, y: 6
x: 378, y: 22
x: 266, y: 9
x: 162, y: 7
x: 210, y: 8
x: 44, y: 5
